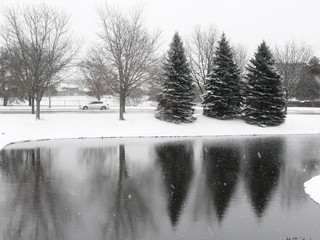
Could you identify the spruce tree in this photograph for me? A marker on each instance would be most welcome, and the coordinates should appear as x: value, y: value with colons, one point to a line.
x: 176, y: 101
x: 265, y: 97
x: 222, y: 98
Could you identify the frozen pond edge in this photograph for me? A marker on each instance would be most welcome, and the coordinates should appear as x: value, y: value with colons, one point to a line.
x: 312, y: 188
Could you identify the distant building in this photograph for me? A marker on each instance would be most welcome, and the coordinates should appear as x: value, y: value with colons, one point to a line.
x: 66, y: 89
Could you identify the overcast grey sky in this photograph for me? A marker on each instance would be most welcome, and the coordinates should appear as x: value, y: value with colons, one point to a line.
x: 246, y: 22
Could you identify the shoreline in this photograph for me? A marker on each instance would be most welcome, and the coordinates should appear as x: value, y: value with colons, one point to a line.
x: 24, y: 127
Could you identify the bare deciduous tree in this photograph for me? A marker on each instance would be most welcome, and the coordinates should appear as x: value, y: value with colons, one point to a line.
x: 290, y: 61
x: 241, y: 58
x: 9, y: 88
x: 201, y: 51
x: 38, y: 39
x: 128, y: 48
x: 154, y: 86
x: 96, y: 76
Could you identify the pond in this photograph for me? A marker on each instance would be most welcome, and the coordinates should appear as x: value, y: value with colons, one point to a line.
x: 221, y: 188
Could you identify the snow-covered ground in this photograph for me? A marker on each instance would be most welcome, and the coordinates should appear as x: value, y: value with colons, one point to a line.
x: 24, y: 127
x: 312, y: 187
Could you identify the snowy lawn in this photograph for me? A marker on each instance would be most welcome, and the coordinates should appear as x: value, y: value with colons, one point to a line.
x: 24, y: 127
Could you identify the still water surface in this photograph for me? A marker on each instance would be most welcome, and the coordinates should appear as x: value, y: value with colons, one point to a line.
x: 219, y: 188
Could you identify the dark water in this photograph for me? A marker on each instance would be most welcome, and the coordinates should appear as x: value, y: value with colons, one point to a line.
x: 220, y: 188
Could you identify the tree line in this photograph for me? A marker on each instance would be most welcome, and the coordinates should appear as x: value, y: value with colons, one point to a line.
x: 38, y: 50
x: 259, y: 100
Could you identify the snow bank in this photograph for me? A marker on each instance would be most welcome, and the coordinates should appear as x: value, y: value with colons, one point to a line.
x: 312, y: 187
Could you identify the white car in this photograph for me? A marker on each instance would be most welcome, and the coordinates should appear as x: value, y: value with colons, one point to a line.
x: 95, y: 105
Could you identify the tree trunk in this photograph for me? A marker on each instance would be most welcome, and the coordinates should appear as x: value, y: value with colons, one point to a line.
x: 5, y: 101
x: 38, y: 109
x: 121, y: 107
x: 200, y: 88
x: 122, y: 101
x: 32, y: 105
x: 286, y: 107
x: 49, y: 97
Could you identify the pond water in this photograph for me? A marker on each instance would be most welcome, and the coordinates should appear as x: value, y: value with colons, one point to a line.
x: 202, y: 188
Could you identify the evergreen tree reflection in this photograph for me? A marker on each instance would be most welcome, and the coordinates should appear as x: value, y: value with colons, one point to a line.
x: 222, y: 162
x: 262, y: 177
x: 176, y: 160
x: 37, y: 207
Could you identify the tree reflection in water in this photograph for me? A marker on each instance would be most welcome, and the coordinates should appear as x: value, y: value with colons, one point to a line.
x: 159, y: 190
x: 221, y: 163
x: 176, y: 161
x: 125, y: 212
x: 37, y: 209
x: 264, y: 158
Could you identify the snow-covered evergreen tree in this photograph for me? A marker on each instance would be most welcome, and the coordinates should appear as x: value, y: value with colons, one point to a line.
x: 222, y: 98
x: 176, y: 101
x: 265, y: 97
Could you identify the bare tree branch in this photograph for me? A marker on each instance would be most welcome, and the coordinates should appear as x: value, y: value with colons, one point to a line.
x: 38, y: 38
x: 201, y: 51
x: 241, y: 58
x: 128, y: 48
x: 96, y: 75
x: 9, y: 88
x: 290, y: 61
